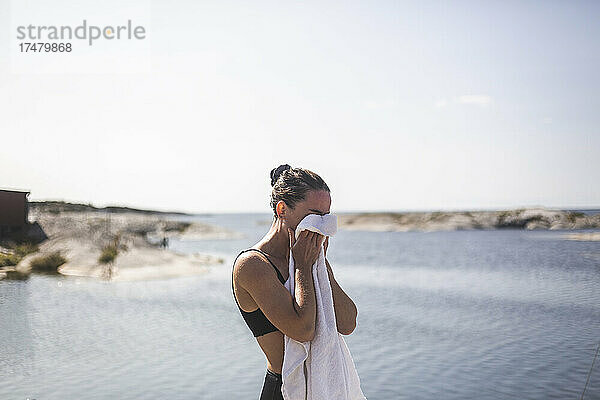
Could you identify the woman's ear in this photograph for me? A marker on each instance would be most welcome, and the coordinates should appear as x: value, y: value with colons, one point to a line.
x: 281, y: 209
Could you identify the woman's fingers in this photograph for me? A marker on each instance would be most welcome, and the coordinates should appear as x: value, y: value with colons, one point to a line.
x: 302, y: 235
x: 309, y: 236
x: 314, y: 238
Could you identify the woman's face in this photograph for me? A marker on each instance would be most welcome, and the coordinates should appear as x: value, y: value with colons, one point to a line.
x: 315, y: 202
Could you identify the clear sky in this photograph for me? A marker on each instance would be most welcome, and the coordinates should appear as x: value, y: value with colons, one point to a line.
x: 397, y: 105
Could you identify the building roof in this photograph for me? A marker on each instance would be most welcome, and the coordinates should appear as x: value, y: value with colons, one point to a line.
x: 14, y: 191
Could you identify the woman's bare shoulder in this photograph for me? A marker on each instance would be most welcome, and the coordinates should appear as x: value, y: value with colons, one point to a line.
x: 250, y: 266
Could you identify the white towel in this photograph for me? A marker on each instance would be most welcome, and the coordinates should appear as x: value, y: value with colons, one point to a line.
x: 321, y: 369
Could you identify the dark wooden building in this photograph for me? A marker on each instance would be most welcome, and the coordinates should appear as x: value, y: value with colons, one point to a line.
x: 14, y: 211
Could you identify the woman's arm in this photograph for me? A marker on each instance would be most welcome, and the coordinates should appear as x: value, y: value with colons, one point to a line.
x: 345, y: 309
x: 294, y: 315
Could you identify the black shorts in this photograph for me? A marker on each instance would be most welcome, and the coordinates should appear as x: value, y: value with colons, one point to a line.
x: 272, y: 387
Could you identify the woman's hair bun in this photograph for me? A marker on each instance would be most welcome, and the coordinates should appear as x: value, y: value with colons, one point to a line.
x: 276, y: 172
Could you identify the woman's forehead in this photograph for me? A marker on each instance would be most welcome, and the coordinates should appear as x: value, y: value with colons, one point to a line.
x: 318, y: 201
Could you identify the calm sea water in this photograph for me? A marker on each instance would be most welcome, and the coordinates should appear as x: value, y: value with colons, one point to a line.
x: 442, y: 315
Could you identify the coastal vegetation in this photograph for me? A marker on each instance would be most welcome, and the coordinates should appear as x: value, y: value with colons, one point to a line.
x: 110, y: 251
x: 8, y: 260
x: 48, y: 263
x: 15, y: 253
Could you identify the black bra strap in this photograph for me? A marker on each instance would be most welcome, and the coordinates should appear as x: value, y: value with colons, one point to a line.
x: 271, y: 262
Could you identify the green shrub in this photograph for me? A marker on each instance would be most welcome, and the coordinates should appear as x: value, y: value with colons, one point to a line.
x: 177, y: 226
x: 19, y: 251
x: 110, y: 251
x: 109, y: 254
x: 8, y: 260
x: 48, y: 262
x: 25, y: 248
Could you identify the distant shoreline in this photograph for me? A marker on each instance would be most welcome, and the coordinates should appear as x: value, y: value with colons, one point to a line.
x: 524, y: 218
x: 62, y: 206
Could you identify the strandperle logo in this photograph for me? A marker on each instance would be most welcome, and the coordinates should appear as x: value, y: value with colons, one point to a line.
x: 81, y: 32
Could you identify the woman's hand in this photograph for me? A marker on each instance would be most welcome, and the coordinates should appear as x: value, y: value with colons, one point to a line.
x: 306, y: 249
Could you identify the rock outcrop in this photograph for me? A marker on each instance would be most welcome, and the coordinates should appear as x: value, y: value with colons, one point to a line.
x: 81, y: 237
x: 534, y: 218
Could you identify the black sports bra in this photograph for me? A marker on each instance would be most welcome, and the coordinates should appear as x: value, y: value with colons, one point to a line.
x: 256, y: 320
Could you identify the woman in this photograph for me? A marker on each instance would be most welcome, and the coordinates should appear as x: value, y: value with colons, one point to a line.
x: 259, y: 273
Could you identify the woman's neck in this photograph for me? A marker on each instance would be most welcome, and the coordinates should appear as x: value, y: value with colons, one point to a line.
x: 277, y: 241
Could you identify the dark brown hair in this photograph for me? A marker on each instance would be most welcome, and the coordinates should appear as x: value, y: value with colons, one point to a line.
x: 292, y: 184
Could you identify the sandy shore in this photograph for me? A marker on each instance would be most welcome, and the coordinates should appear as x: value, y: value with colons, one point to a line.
x: 535, y: 218
x: 144, y: 264
x: 81, y: 235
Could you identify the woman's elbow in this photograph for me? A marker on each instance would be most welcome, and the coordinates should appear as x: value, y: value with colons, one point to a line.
x: 309, y: 333
x: 304, y: 336
x: 347, y: 328
x: 349, y: 323
x: 302, y: 332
